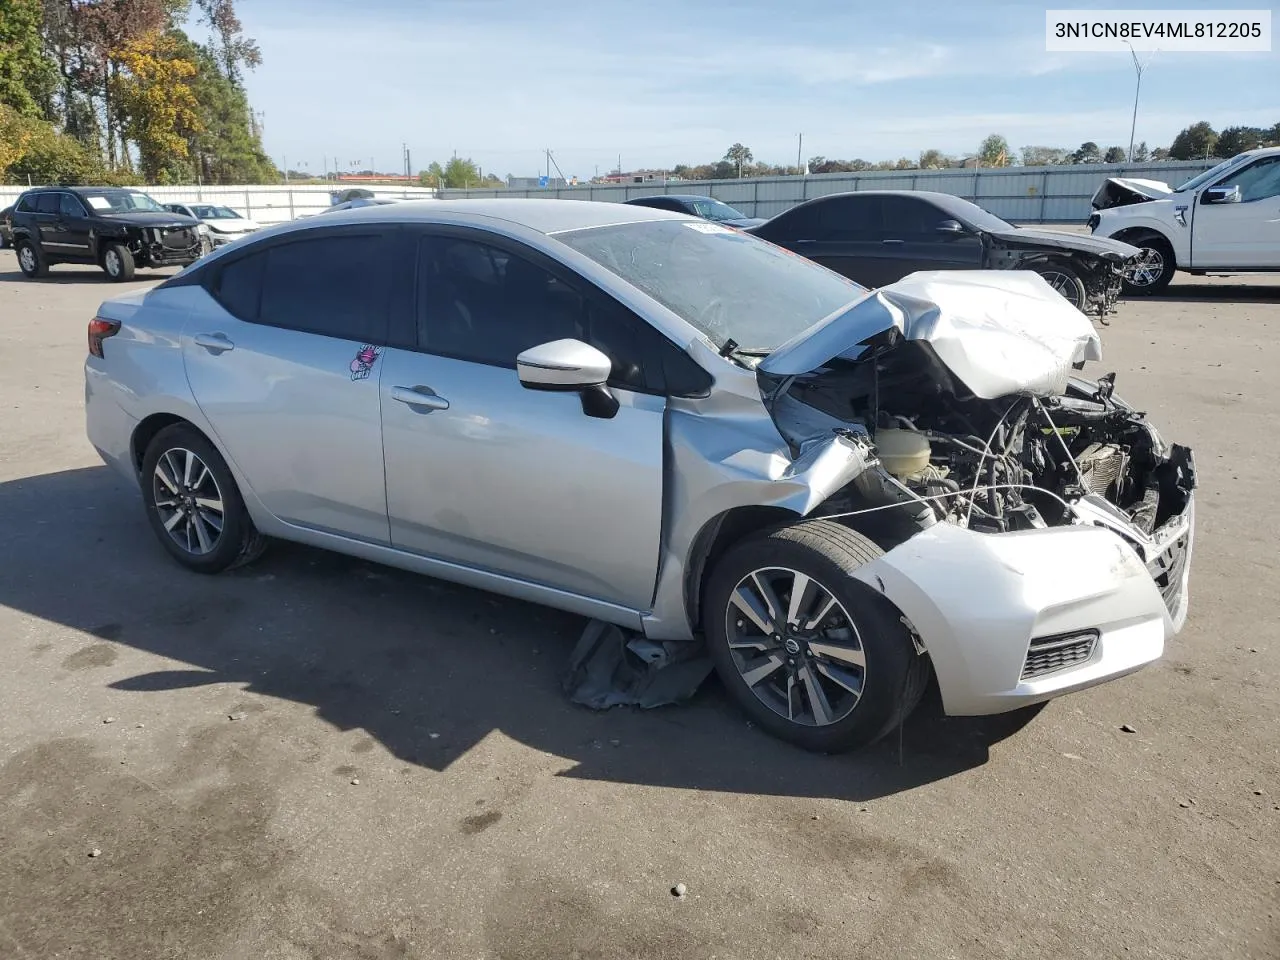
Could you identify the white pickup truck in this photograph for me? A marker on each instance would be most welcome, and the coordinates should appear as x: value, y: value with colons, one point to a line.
x: 1225, y: 220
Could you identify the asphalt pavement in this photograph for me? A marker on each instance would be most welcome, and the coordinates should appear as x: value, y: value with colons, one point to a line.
x: 316, y: 757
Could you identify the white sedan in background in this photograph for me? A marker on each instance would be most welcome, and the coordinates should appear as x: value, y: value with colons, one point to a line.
x: 224, y: 223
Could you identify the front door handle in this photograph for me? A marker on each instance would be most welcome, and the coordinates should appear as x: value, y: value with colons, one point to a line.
x: 214, y: 342
x: 893, y: 241
x: 423, y: 397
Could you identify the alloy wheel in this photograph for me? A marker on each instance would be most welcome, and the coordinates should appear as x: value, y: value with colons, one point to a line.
x: 112, y: 262
x: 188, y: 501
x: 1065, y: 285
x: 1148, y: 270
x: 27, y: 259
x: 795, y: 646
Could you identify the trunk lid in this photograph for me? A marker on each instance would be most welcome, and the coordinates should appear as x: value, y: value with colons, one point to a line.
x: 999, y: 332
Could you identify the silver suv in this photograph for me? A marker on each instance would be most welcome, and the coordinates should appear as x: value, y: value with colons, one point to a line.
x: 666, y: 424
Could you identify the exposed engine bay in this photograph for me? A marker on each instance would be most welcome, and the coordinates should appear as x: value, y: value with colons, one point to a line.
x: 1015, y: 463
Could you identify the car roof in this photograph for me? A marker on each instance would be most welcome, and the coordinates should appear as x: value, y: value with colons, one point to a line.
x: 543, y: 216
x: 672, y: 196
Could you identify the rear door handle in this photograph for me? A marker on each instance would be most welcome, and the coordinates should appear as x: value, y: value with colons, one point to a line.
x: 423, y: 397
x: 893, y: 241
x: 216, y: 342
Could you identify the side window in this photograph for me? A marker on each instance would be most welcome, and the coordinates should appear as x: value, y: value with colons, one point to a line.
x: 851, y: 218
x: 335, y: 286
x: 238, y: 285
x: 1258, y: 181
x: 70, y: 206
x: 480, y: 303
x: 26, y: 203
x: 909, y: 217
x: 802, y: 223
x: 47, y: 203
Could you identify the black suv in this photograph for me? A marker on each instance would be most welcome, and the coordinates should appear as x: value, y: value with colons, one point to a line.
x: 116, y: 228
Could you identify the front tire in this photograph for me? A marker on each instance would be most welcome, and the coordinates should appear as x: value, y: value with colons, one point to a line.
x: 193, y: 504
x: 814, y: 656
x: 118, y: 263
x: 31, y: 261
x: 1155, y: 268
x: 1065, y: 281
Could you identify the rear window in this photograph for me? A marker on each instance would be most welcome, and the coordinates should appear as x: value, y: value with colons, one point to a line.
x: 47, y: 203
x: 727, y: 284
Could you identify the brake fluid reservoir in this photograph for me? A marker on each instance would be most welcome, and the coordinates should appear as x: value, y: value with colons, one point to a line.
x: 904, y: 453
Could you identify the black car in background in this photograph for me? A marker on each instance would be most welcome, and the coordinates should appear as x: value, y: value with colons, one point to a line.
x: 708, y: 208
x: 876, y: 237
x: 6, y: 227
x: 117, y: 229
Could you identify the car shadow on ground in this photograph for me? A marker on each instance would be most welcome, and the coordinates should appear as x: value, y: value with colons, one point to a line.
x: 85, y: 273
x: 1220, y: 291
x: 427, y: 668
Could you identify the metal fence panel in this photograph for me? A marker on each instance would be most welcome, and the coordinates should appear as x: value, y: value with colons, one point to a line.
x: 1023, y: 194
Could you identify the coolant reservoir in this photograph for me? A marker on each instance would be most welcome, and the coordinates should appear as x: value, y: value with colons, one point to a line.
x: 904, y: 453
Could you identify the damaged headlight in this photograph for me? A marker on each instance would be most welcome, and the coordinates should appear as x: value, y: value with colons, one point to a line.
x: 202, y: 229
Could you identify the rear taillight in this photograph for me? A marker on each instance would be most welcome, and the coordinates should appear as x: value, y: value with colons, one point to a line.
x: 99, y: 330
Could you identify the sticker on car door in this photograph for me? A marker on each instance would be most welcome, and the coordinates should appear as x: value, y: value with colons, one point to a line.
x: 362, y: 364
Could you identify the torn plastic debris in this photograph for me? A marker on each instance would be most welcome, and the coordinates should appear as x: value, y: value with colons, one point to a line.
x: 611, y: 668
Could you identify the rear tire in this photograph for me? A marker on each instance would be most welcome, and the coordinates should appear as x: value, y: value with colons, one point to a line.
x: 31, y: 260
x: 1156, y: 271
x: 118, y: 263
x: 844, y: 671
x: 1065, y: 281
x: 193, y: 504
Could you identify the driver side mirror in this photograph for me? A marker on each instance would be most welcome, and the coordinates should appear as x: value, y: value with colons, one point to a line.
x: 570, y: 365
x: 1221, y: 195
x: 952, y: 227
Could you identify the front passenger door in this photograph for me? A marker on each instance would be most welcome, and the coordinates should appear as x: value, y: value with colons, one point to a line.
x: 1243, y: 234
x: 486, y: 473
x: 911, y: 239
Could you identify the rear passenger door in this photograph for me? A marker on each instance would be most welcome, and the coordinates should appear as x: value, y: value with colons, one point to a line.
x: 486, y: 473
x: 284, y: 359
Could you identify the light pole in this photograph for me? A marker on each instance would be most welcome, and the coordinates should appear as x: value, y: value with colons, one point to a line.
x: 1138, y: 67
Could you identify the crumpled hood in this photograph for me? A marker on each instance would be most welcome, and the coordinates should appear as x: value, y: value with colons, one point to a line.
x: 999, y: 332
x: 1120, y: 191
x: 149, y: 218
x: 1061, y: 240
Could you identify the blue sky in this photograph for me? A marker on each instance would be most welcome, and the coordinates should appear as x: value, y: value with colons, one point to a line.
x: 661, y: 82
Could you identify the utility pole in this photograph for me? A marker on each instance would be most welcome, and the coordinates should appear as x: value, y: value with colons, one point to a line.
x: 799, y: 150
x: 1138, y: 68
x: 286, y: 169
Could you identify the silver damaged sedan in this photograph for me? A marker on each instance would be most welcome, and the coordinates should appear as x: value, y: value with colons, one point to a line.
x: 664, y: 423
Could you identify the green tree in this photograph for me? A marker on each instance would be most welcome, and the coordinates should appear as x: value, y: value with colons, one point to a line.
x: 32, y: 150
x: 738, y: 156
x: 226, y: 149
x: 154, y: 92
x: 461, y: 172
x: 233, y: 50
x: 1114, y: 155
x: 934, y: 160
x: 1089, y: 152
x: 1044, y: 156
x: 1233, y: 140
x: 994, y: 151
x: 27, y: 78
x: 1140, y: 153
x: 1159, y: 154
x: 1194, y: 143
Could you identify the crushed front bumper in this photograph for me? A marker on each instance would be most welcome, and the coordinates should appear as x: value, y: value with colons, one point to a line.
x: 978, y: 601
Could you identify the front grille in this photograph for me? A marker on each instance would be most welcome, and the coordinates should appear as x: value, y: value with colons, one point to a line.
x: 178, y: 238
x: 1166, y: 570
x: 1051, y: 654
